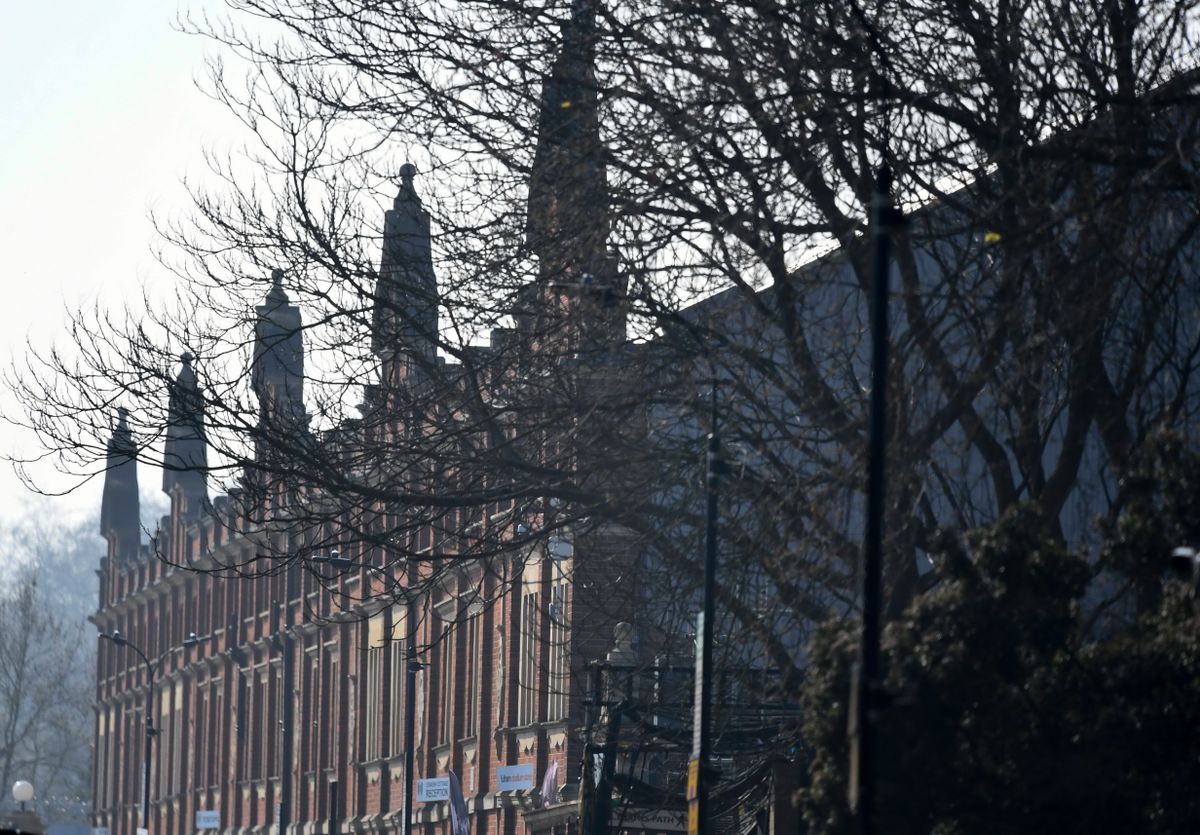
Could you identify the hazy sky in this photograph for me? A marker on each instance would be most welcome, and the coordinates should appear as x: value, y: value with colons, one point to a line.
x: 102, y: 119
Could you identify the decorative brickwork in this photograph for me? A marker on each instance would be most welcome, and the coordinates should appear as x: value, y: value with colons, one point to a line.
x: 289, y: 699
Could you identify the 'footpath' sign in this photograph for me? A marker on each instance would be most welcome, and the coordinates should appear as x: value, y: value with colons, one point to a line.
x: 433, y: 789
x: 657, y: 820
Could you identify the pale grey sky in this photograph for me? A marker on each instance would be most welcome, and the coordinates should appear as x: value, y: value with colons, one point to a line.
x: 102, y: 119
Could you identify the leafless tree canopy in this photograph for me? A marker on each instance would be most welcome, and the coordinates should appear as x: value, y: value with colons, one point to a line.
x: 629, y: 201
x: 47, y: 589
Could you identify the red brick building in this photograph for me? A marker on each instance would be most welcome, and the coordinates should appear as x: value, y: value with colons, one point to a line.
x: 496, y: 692
x: 288, y: 702
x: 496, y: 689
x: 276, y: 676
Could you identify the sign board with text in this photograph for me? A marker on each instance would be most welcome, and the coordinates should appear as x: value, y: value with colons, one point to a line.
x: 655, y: 820
x: 433, y: 789
x: 208, y: 819
x: 515, y: 777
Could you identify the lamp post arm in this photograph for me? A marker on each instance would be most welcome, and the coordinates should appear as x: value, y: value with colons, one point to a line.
x: 152, y: 668
x: 150, y: 665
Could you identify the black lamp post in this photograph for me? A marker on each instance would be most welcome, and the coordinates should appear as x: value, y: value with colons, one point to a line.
x: 412, y: 667
x: 700, y: 773
x: 22, y: 822
x: 152, y: 669
x: 865, y: 698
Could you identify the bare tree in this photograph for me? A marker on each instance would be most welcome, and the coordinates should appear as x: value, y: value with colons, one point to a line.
x: 629, y: 203
x: 46, y: 662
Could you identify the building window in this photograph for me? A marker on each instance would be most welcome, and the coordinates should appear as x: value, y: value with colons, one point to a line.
x: 177, y: 742
x: 200, y: 726
x: 446, y: 659
x: 472, y: 670
x: 528, y: 662
x: 374, y: 704
x: 275, y: 699
x: 262, y: 754
x: 102, y: 758
x: 162, y: 764
x: 245, y: 725
x: 398, y: 647
x: 334, y: 718
x: 558, y: 666
x: 220, y: 731
x: 311, y: 736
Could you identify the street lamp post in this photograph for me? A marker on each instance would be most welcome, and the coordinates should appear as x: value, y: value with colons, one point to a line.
x: 22, y: 821
x: 287, y: 643
x: 700, y: 772
x: 866, y: 687
x: 152, y: 669
x: 412, y: 667
x: 22, y: 792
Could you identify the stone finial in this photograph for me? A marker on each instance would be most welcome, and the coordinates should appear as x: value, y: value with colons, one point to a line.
x: 185, y: 452
x: 408, y: 192
x: 119, y: 508
x: 186, y: 378
x: 405, y: 315
x: 622, y: 651
x: 276, y: 296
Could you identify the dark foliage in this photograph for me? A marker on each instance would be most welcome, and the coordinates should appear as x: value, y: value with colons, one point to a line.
x: 1014, y: 707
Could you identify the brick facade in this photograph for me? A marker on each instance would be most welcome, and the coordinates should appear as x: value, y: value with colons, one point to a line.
x: 501, y: 688
x: 500, y: 685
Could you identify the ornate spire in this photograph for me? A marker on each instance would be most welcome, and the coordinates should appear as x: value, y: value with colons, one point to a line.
x: 577, y: 303
x: 405, y: 320
x: 567, y: 224
x: 185, y: 451
x: 119, y: 509
x: 277, y: 370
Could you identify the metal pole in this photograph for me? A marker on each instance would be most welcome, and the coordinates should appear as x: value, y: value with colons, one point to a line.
x: 410, y: 717
x: 868, y: 680
x: 288, y: 719
x: 151, y: 670
x: 601, y: 810
x: 147, y: 753
x: 700, y: 769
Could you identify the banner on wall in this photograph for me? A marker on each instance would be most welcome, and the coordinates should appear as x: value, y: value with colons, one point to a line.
x: 512, y: 778
x: 433, y: 789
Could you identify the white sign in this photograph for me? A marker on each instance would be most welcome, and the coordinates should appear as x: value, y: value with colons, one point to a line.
x: 514, y: 777
x: 208, y: 818
x: 433, y: 789
x: 141, y: 831
x: 99, y: 830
